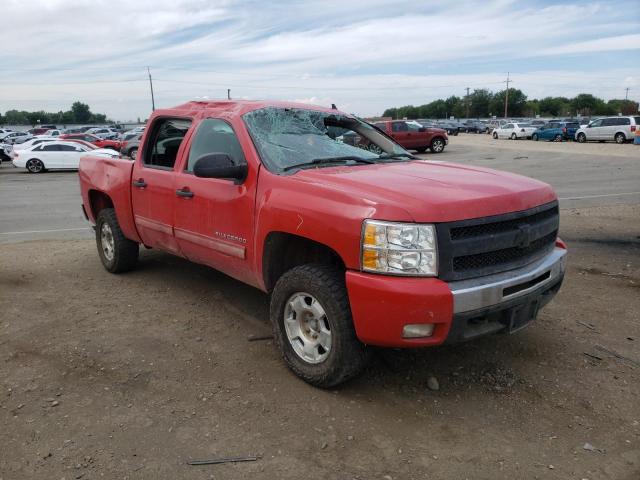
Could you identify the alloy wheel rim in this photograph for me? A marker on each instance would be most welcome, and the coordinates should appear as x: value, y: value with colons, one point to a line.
x: 307, y: 327
x: 437, y: 146
x: 35, y: 166
x: 106, y: 242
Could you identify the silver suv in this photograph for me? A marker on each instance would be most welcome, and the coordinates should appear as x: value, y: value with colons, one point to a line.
x: 618, y: 129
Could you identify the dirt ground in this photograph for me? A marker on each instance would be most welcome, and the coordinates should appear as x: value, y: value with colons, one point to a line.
x: 131, y: 376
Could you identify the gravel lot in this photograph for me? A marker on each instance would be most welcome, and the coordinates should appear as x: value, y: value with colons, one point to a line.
x: 131, y: 376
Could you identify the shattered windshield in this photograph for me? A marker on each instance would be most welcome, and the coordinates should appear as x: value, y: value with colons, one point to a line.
x: 287, y: 138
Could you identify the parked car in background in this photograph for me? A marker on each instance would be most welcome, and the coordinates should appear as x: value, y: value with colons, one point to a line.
x: 12, y: 149
x: 413, y: 136
x: 474, y: 126
x: 514, y: 131
x: 538, y: 123
x: 95, y: 140
x: 53, y: 132
x: 104, y: 133
x: 450, y: 127
x: 130, y: 147
x: 15, y: 137
x: 57, y: 154
x: 556, y: 131
x: 618, y: 129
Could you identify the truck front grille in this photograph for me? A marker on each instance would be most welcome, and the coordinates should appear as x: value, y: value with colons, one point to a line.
x: 483, y: 246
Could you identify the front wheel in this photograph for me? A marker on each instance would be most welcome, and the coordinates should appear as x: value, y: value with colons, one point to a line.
x: 582, y: 138
x: 117, y: 253
x: 495, y: 135
x: 620, y: 138
x: 313, y: 327
x: 437, y: 145
x: 133, y: 153
x: 35, y: 166
x: 557, y: 138
x: 514, y: 136
x: 534, y: 137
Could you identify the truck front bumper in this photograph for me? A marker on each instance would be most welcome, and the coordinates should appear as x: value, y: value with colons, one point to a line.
x: 383, y: 305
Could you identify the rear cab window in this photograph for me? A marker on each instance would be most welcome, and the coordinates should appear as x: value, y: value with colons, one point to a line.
x: 164, y: 142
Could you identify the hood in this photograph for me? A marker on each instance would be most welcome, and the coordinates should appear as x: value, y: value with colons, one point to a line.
x: 433, y: 191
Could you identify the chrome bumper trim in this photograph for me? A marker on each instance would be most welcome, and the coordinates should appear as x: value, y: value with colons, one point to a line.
x: 477, y: 293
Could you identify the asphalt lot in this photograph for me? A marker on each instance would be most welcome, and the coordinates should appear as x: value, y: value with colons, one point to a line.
x: 130, y: 376
x: 48, y: 205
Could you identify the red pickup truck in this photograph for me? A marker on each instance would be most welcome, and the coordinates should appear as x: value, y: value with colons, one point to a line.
x: 413, y: 136
x: 358, y: 245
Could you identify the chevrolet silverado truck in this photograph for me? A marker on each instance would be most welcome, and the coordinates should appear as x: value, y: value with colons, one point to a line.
x: 414, y: 136
x: 358, y: 245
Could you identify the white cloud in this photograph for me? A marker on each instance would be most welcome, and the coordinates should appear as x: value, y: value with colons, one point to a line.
x: 363, y: 56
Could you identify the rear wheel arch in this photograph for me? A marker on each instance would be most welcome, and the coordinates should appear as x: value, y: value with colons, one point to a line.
x: 283, y: 251
x: 98, y: 201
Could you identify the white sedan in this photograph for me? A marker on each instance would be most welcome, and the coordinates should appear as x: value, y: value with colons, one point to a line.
x: 57, y: 155
x: 12, y: 149
x: 514, y: 131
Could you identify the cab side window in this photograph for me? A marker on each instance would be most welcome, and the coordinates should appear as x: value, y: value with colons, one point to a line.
x: 399, y: 127
x: 215, y: 136
x: 165, y: 141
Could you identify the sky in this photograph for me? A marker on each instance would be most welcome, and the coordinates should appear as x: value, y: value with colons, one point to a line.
x: 364, y: 56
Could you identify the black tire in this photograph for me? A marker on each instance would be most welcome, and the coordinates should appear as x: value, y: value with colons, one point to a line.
x: 514, y: 136
x: 437, y: 145
x: 347, y: 356
x: 421, y: 149
x: 620, y: 138
x: 133, y: 152
x: 582, y: 138
x: 124, y: 252
x: 34, y: 165
x: 495, y: 136
x: 557, y: 138
x: 534, y: 137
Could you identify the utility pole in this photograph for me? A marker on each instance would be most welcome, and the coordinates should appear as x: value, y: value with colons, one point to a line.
x: 506, y: 98
x: 153, y: 102
x: 228, y: 94
x: 626, y: 95
x: 467, y: 102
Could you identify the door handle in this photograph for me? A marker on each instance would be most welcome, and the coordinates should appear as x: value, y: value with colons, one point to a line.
x: 184, y: 192
x: 140, y: 183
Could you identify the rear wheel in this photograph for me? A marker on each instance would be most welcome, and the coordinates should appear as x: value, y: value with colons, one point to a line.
x: 437, y: 145
x: 514, y: 136
x: 313, y: 327
x: 35, y: 166
x: 582, y: 138
x: 534, y: 137
x: 620, y: 138
x: 117, y: 253
x: 133, y: 153
x: 495, y: 135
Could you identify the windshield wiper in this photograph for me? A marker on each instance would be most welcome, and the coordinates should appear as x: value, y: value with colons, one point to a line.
x: 329, y: 160
x: 397, y: 155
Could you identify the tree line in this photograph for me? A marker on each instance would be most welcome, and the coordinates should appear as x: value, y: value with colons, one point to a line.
x: 79, y: 113
x: 483, y: 103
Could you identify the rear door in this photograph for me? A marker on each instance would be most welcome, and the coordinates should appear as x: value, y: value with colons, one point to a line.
x: 153, y: 187
x: 213, y: 216
x: 400, y: 133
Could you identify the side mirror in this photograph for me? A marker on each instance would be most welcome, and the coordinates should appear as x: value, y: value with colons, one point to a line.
x: 219, y: 165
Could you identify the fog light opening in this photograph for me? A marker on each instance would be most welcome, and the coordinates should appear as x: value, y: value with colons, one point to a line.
x: 418, y: 330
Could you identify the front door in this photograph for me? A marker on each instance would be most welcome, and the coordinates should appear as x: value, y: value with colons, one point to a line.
x: 153, y: 189
x: 214, y: 217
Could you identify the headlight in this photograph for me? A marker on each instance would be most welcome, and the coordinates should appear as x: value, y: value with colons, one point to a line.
x: 399, y: 248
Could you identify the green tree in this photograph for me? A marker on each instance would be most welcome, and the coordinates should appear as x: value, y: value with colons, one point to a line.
x: 480, y: 102
x: 516, y: 105
x: 81, y: 112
